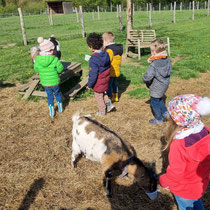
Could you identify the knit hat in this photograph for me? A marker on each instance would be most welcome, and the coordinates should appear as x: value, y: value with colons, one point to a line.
x: 185, y: 110
x: 45, y: 45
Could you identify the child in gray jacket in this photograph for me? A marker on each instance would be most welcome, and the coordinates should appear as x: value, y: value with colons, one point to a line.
x: 157, y: 79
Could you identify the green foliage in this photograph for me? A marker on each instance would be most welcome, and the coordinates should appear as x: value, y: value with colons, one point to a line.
x: 139, y: 93
x: 189, y: 41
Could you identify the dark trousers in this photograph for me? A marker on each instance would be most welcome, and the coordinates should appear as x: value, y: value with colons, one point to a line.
x: 158, y: 107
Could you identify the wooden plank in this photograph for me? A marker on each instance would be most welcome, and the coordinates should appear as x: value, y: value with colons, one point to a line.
x: 24, y: 87
x: 37, y: 93
x: 31, y: 88
x: 71, y: 93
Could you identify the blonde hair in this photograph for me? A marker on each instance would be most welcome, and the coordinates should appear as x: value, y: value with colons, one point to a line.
x: 108, y: 36
x: 172, y: 129
x: 157, y: 45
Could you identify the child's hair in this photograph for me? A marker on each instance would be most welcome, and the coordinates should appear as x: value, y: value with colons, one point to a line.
x: 95, y: 41
x: 157, y: 45
x: 108, y: 36
x: 172, y: 129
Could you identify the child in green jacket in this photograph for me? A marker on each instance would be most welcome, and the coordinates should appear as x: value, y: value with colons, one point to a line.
x: 48, y: 66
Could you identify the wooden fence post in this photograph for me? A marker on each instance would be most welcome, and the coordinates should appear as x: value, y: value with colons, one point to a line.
x: 22, y: 26
x: 190, y: 5
x: 171, y: 7
x: 117, y: 10
x: 147, y: 8
x: 77, y: 15
x: 180, y: 6
x: 174, y: 13
x: 208, y: 7
x: 120, y: 18
x: 82, y: 21
x: 205, y: 5
x: 111, y: 7
x: 51, y: 17
x: 150, y: 14
x: 98, y: 13
x: 133, y: 9
x: 159, y: 7
x: 129, y: 18
x: 193, y: 10
x: 197, y: 5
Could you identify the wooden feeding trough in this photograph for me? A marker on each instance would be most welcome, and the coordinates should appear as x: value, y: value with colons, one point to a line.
x: 70, y: 70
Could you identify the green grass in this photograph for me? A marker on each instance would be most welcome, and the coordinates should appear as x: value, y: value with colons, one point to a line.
x: 189, y: 40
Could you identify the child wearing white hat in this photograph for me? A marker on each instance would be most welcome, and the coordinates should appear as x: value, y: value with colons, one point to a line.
x: 49, y: 66
x: 187, y: 175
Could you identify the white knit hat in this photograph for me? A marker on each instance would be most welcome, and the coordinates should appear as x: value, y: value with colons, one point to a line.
x: 45, y: 45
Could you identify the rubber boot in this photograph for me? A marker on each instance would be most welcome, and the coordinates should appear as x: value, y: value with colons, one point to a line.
x: 115, y: 97
x: 52, y: 111
x: 60, y: 107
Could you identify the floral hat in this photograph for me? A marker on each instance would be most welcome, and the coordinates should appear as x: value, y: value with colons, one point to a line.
x: 185, y: 110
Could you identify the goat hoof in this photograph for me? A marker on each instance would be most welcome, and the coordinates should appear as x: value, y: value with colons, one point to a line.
x: 74, y: 165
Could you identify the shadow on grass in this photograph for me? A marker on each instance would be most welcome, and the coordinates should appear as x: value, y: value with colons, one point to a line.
x: 6, y: 84
x: 132, y: 197
x: 123, y: 84
x: 31, y: 194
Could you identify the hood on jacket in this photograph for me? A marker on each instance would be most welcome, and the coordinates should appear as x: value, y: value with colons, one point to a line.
x: 116, y: 48
x: 102, y: 59
x: 163, y: 66
x: 201, y: 149
x: 45, y: 60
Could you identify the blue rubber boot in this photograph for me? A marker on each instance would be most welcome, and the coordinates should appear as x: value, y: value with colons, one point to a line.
x: 52, y: 111
x: 60, y: 107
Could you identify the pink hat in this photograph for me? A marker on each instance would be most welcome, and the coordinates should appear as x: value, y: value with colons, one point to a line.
x: 185, y: 110
x: 45, y: 45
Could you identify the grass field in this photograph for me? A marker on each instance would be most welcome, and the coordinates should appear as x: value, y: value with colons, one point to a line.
x: 189, y: 41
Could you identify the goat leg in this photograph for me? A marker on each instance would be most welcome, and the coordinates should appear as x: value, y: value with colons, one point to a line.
x: 108, y: 183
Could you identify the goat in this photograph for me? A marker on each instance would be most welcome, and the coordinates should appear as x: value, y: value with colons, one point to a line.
x: 34, y: 51
x: 99, y: 143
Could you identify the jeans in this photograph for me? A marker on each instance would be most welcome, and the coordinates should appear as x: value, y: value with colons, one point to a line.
x: 158, y: 107
x: 112, y: 86
x: 51, y: 91
x: 188, y: 204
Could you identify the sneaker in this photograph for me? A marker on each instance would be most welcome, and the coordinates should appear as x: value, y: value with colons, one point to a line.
x: 60, y: 107
x: 52, y: 111
x: 154, y: 121
x: 101, y: 114
x: 109, y: 107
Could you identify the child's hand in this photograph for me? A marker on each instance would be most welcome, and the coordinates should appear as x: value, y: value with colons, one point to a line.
x: 87, y: 88
x: 166, y: 188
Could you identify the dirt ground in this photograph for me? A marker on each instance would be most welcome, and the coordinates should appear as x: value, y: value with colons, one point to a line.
x: 35, y: 167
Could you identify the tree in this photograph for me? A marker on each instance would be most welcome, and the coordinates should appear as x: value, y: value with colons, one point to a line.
x: 2, y: 3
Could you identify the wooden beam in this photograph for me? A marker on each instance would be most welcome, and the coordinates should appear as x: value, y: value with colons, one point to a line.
x: 31, y: 88
x: 72, y: 93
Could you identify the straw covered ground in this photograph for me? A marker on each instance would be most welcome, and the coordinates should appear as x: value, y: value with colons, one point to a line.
x: 35, y: 167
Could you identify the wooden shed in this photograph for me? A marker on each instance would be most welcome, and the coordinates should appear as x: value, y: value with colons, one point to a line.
x: 60, y: 7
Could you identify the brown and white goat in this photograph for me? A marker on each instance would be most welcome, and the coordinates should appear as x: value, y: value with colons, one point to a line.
x: 99, y: 143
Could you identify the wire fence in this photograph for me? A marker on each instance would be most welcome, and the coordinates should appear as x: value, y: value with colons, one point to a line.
x: 68, y: 26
